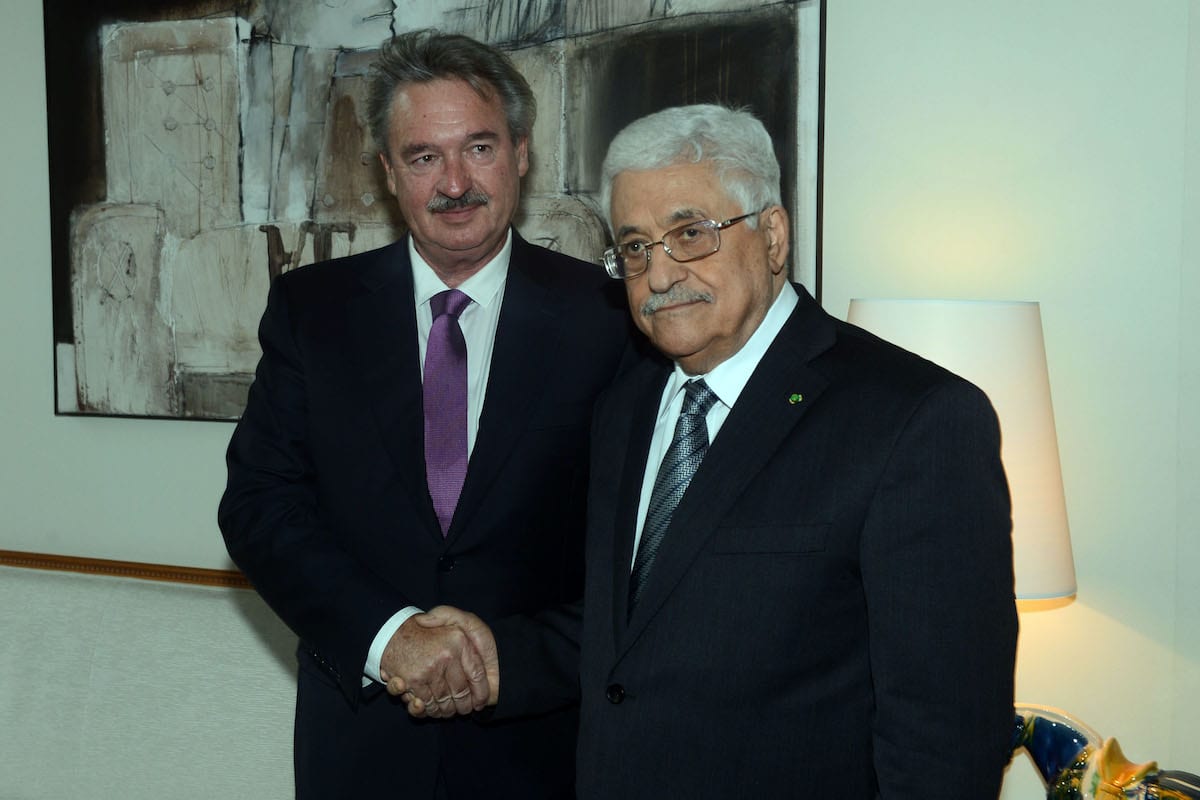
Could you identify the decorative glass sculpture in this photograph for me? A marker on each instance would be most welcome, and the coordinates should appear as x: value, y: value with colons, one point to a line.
x: 1076, y: 764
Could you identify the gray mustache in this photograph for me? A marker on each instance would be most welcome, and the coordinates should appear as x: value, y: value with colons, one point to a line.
x: 676, y: 294
x: 471, y: 197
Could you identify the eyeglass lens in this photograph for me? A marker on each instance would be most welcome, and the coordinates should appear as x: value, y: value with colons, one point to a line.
x: 693, y: 241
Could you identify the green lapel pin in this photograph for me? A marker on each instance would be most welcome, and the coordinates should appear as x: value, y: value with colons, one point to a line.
x: 795, y: 398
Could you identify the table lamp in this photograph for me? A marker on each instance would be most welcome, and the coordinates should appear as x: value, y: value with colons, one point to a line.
x: 998, y: 346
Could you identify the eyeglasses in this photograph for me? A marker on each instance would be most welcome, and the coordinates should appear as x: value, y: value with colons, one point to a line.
x: 688, y: 242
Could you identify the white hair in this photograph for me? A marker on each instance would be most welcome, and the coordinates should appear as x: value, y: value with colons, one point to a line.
x: 732, y: 140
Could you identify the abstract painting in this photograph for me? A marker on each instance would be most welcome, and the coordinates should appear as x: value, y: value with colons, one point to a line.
x: 199, y: 148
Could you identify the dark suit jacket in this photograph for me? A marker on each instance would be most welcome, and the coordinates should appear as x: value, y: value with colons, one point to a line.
x: 831, y: 611
x: 328, y: 514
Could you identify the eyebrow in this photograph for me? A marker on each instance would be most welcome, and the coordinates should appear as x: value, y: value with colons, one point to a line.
x: 679, y: 215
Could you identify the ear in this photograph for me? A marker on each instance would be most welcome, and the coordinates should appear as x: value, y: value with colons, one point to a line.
x: 388, y: 173
x: 774, y: 222
x: 523, y: 156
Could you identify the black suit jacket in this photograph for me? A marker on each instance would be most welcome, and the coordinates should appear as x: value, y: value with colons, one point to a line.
x: 831, y: 611
x: 328, y: 513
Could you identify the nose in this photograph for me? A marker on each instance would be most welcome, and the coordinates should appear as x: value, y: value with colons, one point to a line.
x: 455, y: 178
x: 663, y: 272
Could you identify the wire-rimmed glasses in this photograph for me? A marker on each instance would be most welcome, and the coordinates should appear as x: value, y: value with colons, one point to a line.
x: 688, y: 242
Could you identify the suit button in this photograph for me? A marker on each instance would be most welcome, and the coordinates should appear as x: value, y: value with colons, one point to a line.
x: 445, y: 563
x: 615, y: 693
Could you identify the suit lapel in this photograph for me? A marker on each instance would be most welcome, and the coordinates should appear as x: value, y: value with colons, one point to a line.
x: 383, y: 333
x: 522, y: 351
x: 775, y: 400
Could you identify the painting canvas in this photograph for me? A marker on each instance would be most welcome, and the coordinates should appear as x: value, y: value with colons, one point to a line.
x: 199, y: 148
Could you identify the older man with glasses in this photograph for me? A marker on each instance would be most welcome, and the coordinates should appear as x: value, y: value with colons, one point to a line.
x: 799, y: 564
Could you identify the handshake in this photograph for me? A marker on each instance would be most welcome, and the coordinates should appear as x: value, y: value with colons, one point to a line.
x: 442, y: 663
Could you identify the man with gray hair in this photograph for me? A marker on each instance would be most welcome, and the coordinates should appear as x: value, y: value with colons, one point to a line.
x: 799, y: 558
x: 417, y: 434
x: 799, y: 567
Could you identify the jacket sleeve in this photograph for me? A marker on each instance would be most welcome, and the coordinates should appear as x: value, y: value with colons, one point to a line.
x: 268, y: 515
x: 539, y: 661
x: 937, y: 574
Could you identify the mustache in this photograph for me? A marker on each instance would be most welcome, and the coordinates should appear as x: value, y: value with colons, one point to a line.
x: 673, y: 296
x: 469, y: 198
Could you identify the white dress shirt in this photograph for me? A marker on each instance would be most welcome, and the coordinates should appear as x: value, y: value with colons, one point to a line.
x: 726, y: 380
x: 478, y: 321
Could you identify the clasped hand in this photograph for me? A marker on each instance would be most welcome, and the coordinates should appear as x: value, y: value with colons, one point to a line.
x: 442, y: 663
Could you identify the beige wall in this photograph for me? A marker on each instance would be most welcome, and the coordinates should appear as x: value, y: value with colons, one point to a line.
x: 1042, y: 151
x: 1023, y: 150
x: 121, y: 690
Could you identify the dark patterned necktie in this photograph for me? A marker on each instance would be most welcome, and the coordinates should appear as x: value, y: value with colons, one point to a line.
x: 683, y: 458
x: 445, y: 396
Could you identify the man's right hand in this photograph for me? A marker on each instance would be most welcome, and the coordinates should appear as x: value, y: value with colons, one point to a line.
x: 482, y: 644
x: 438, y: 665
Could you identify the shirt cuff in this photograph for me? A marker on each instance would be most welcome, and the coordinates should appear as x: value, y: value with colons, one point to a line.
x: 380, y: 643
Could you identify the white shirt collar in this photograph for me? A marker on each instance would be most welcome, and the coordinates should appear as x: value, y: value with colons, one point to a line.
x: 729, y: 378
x: 483, y: 287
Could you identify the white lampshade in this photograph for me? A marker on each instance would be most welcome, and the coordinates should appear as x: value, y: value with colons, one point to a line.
x: 998, y: 346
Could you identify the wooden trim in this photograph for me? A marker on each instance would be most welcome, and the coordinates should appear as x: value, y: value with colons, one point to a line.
x: 231, y: 579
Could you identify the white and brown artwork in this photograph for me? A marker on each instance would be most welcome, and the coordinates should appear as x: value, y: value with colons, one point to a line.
x: 199, y: 148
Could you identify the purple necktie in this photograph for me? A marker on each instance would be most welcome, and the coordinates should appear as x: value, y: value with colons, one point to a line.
x: 445, y: 395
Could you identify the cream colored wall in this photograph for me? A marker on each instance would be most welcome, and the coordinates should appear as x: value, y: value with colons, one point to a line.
x: 1021, y: 150
x: 1042, y: 151
x: 133, y: 690
x: 1186, y: 672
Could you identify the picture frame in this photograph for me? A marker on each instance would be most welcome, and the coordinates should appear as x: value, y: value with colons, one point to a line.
x: 198, y: 148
